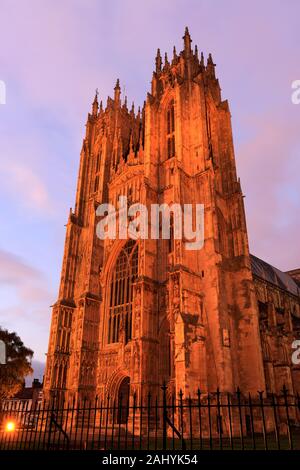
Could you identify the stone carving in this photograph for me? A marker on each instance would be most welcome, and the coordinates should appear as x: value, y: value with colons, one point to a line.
x: 127, y: 359
x: 226, y: 338
x: 176, y: 297
x: 176, y: 274
x: 177, y: 251
x: 137, y: 310
x: 136, y: 361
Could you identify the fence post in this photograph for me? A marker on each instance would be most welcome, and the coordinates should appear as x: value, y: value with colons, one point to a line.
x: 164, y: 389
x: 285, y: 395
x: 219, y: 419
x: 262, y: 405
x: 238, y: 393
x: 50, y: 423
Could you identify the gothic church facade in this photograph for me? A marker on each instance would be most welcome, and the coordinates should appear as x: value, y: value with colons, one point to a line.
x: 132, y: 314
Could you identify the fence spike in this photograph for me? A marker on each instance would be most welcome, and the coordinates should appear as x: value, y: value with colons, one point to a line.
x: 84, y: 421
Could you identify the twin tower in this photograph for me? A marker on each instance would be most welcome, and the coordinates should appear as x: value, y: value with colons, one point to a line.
x: 132, y: 314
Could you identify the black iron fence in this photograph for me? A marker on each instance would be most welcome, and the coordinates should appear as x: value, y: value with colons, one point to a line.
x: 202, y: 422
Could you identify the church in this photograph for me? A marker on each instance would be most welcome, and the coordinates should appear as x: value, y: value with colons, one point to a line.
x: 134, y: 314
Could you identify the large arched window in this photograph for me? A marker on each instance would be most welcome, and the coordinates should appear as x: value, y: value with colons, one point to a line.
x: 171, y: 130
x: 121, y: 291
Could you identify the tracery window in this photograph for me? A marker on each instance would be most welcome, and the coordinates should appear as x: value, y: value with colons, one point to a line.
x: 121, y: 292
x: 97, y: 172
x: 60, y: 375
x: 64, y: 331
x: 171, y: 130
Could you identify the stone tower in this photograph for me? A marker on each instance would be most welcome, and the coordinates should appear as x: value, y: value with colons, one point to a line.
x: 133, y: 314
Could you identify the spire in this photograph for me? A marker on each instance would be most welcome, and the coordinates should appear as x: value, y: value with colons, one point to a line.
x: 141, y: 137
x: 202, y: 60
x: 95, y: 104
x: 158, y: 61
x: 117, y: 91
x: 132, y: 109
x: 196, y: 51
x: 140, y: 145
x: 70, y: 215
x: 121, y: 159
x: 175, y: 57
x: 187, y: 41
x: 166, y: 60
x: 174, y: 53
x: 210, y: 65
x: 210, y: 60
x: 131, y: 143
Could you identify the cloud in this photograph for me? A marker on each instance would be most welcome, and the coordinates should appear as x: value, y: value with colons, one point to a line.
x: 21, y: 177
x: 269, y: 168
x: 25, y: 300
x: 14, y: 271
x: 26, y: 186
x: 38, y: 372
x: 30, y: 285
x: 52, y: 61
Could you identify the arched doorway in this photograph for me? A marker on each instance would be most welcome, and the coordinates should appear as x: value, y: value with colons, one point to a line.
x: 123, y: 400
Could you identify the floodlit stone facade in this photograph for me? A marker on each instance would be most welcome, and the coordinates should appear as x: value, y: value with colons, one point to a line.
x: 131, y: 315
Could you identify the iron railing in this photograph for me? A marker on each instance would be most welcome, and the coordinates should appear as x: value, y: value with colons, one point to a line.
x: 233, y: 421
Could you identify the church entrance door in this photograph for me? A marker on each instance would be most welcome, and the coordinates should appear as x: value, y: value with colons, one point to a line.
x: 123, y: 401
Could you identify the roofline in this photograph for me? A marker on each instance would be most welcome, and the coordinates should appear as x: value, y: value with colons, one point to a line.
x: 275, y: 285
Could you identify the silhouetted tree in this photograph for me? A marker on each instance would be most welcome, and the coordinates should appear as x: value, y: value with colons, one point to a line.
x: 18, y: 364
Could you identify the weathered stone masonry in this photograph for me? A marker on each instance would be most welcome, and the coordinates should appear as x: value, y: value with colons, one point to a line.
x: 131, y: 315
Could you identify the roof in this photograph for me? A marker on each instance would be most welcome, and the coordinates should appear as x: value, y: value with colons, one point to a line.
x: 295, y: 274
x: 24, y: 394
x: 273, y: 275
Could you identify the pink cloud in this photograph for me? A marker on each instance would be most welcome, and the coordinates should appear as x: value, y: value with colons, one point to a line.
x: 25, y: 300
x: 53, y: 59
x: 26, y: 186
x: 270, y: 179
x: 13, y: 270
x: 29, y: 283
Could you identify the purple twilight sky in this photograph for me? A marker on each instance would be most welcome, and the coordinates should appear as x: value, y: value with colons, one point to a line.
x: 55, y: 53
